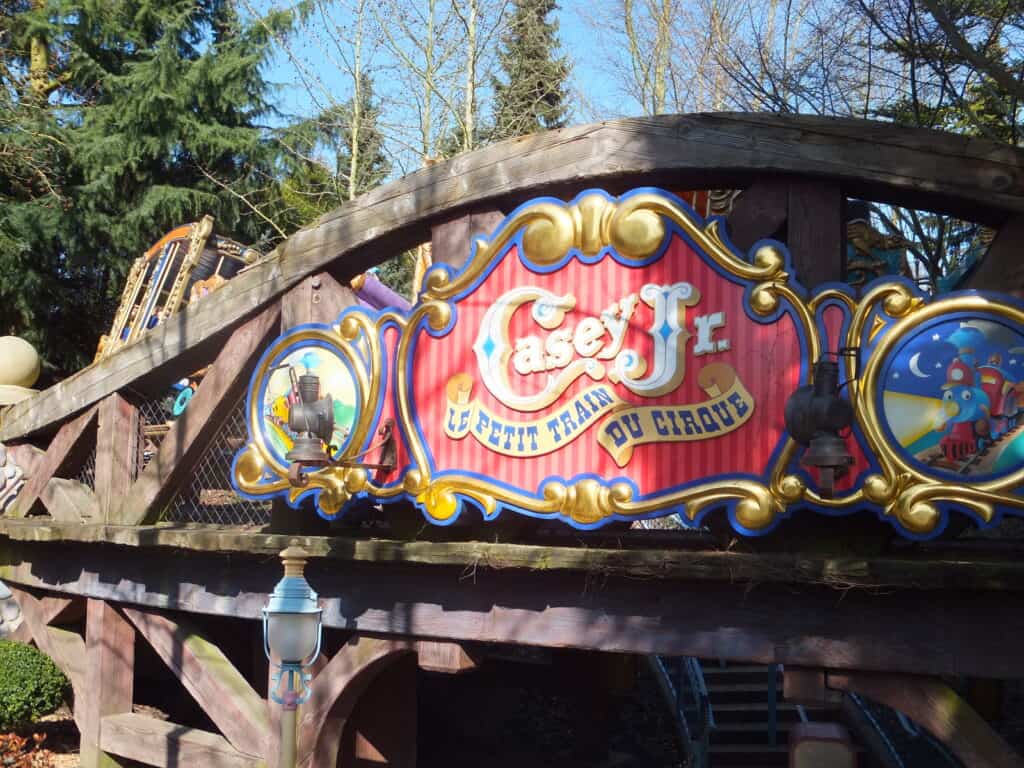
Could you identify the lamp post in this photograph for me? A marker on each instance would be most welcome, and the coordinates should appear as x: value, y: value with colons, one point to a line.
x: 291, y: 639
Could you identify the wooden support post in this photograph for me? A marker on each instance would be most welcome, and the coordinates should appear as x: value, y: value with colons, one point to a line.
x: 220, y: 690
x: 169, y: 745
x: 207, y: 410
x: 66, y: 454
x: 335, y: 692
x: 816, y: 234
x: 66, y: 648
x: 382, y: 728
x: 437, y: 656
x: 1002, y: 269
x: 936, y: 707
x: 317, y: 299
x: 109, y: 677
x: 760, y: 212
x: 451, y: 242
x: 117, y: 453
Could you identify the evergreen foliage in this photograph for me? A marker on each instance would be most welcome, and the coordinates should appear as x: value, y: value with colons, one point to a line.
x: 533, y: 95
x: 31, y: 685
x: 141, y: 116
x: 316, y: 159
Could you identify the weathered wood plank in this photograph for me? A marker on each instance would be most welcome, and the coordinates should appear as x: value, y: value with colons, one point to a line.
x: 212, y: 680
x: 815, y: 232
x: 760, y: 212
x: 74, y: 501
x: 1002, y: 269
x: 451, y: 241
x: 317, y: 299
x: 65, y: 453
x: 450, y: 658
x: 66, y: 648
x: 336, y: 690
x: 169, y: 745
x: 109, y: 677
x: 382, y: 728
x: 117, y: 453
x: 938, y: 570
x: 838, y: 628
x: 969, y: 176
x: 206, y: 412
x: 936, y: 707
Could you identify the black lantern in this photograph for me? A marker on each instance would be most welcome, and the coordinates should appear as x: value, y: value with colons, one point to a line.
x: 815, y: 414
x: 312, y: 421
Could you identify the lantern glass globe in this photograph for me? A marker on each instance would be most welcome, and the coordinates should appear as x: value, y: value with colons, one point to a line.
x: 292, y: 637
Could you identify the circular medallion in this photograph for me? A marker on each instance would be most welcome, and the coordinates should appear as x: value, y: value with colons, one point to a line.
x: 279, y: 390
x: 952, y: 397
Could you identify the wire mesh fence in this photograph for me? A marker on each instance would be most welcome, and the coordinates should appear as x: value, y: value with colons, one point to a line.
x: 154, y: 422
x: 87, y: 474
x: 207, y: 495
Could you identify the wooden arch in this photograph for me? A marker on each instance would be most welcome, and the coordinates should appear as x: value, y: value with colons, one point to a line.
x: 970, y: 177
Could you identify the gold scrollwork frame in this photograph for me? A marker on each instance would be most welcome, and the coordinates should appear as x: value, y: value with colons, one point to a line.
x: 904, y: 490
x: 357, y: 339
x: 635, y: 227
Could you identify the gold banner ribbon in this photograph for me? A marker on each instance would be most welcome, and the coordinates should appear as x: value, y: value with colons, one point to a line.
x: 534, y: 437
x: 730, y: 407
x: 625, y: 427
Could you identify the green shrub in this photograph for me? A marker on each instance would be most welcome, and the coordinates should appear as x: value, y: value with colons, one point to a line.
x: 31, y: 685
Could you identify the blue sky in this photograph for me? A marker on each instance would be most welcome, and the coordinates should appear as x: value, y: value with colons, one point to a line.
x: 577, y: 43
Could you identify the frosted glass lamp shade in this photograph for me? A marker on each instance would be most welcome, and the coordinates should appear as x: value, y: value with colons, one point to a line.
x: 292, y: 637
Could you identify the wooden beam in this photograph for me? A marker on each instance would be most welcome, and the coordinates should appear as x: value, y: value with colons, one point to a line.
x: 65, y: 454
x: 816, y: 232
x: 382, y: 728
x: 451, y: 241
x: 207, y: 674
x: 451, y: 658
x: 936, y: 707
x: 971, y: 177
x: 73, y: 502
x: 937, y: 570
x: 117, y: 453
x: 744, y: 621
x: 336, y: 690
x: 207, y: 410
x: 317, y: 299
x: 109, y: 677
x: 760, y: 212
x: 66, y: 648
x: 169, y: 745
x: 1002, y: 268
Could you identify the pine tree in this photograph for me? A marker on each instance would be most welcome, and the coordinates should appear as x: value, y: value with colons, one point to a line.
x: 145, y: 113
x: 533, y: 96
x: 316, y: 158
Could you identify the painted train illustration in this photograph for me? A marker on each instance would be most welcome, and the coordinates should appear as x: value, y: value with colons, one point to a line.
x: 954, y: 398
x: 981, y: 404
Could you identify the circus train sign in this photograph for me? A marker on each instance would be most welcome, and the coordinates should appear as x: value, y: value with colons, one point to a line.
x: 617, y: 358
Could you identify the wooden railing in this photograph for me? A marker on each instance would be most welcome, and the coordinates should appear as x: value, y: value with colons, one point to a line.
x: 796, y: 173
x: 809, y: 163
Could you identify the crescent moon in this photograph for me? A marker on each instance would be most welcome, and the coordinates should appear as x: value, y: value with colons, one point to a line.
x: 914, y: 369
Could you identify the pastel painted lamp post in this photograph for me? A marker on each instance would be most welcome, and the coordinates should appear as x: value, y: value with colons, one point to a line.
x: 291, y: 639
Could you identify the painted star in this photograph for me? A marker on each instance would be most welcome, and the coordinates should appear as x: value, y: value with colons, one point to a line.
x: 1013, y: 362
x: 935, y: 337
x: 938, y: 365
x: 896, y: 375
